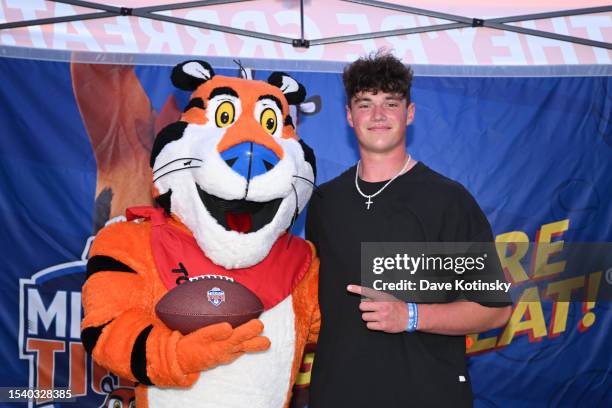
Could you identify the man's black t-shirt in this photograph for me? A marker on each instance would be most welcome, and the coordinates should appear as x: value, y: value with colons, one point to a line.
x: 358, y: 367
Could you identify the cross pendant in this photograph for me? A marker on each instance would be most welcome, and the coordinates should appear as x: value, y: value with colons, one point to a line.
x: 369, y: 202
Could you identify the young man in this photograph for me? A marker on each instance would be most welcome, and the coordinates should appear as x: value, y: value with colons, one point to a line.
x: 365, y: 356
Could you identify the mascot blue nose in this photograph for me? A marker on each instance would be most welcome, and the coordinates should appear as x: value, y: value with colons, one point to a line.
x: 250, y: 159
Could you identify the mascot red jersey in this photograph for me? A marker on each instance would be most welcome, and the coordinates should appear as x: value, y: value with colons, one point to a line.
x: 230, y: 177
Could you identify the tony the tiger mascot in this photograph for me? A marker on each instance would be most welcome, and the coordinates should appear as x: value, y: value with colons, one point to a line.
x: 230, y: 176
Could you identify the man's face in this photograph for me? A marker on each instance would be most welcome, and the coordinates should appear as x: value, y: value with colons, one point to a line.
x: 380, y: 120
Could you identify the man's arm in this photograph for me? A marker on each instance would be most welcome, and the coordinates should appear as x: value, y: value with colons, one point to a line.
x: 459, y: 318
x: 456, y: 318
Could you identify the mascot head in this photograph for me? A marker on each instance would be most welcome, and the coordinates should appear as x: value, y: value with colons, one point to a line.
x: 232, y: 169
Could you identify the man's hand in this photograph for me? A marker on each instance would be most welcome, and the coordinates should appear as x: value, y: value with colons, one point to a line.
x: 386, y: 313
x: 381, y: 311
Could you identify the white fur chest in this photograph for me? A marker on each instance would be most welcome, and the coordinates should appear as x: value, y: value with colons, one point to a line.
x: 258, y: 380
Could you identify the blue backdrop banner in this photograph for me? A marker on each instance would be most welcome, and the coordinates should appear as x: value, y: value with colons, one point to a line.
x: 536, y: 152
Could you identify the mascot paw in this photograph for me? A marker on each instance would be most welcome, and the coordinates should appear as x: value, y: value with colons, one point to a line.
x: 219, y: 344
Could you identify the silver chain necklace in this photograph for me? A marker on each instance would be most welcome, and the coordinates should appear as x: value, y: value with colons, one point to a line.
x: 369, y: 197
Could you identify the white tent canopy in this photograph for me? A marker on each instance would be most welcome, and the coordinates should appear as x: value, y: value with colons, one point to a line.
x: 434, y: 32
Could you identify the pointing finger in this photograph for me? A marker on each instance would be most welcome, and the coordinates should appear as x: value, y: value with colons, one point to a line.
x: 370, y: 293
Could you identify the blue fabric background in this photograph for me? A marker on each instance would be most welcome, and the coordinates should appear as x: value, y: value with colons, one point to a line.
x: 531, y: 150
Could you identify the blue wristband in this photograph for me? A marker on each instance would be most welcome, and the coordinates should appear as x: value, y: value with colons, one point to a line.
x: 413, y: 317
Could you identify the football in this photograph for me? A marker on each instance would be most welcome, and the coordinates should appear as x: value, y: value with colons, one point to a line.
x: 206, y: 300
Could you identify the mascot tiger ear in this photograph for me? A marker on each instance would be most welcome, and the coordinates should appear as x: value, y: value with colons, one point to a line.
x: 191, y: 74
x: 292, y: 89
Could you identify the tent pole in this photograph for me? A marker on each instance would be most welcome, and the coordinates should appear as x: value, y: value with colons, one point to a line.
x: 302, y: 20
x: 552, y: 14
x: 390, y: 33
x: 215, y: 27
x: 546, y: 34
x: 189, y: 4
x: 53, y: 20
x: 496, y: 23
x: 89, y: 4
x: 412, y: 10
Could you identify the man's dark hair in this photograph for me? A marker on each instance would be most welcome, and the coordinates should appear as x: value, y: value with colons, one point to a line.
x: 377, y: 72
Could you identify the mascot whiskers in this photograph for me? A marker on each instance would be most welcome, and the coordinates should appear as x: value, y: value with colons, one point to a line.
x: 230, y: 178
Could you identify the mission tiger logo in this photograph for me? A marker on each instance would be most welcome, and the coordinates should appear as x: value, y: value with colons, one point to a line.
x: 50, y: 314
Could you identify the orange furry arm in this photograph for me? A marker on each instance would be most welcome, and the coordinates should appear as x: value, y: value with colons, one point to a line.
x: 120, y: 328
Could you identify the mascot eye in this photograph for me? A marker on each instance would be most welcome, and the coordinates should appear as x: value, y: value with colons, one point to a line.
x: 225, y: 114
x: 268, y: 120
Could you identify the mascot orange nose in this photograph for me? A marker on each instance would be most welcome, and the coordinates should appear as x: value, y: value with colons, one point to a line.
x: 250, y: 159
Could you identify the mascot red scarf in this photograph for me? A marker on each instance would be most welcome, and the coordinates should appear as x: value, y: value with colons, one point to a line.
x: 230, y: 178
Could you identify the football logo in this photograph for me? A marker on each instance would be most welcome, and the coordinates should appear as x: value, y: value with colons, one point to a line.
x: 216, y: 296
